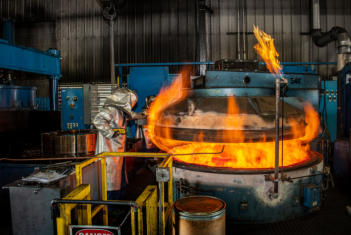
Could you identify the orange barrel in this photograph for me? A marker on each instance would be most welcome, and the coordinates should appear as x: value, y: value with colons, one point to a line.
x: 199, y: 215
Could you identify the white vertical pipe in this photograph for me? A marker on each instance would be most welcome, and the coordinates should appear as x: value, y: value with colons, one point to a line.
x: 112, y: 54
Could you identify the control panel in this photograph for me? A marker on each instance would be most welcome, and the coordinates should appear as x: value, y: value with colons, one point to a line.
x: 329, y: 102
x: 72, y: 109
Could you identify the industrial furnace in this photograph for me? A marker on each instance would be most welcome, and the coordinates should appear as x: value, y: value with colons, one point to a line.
x: 222, y: 137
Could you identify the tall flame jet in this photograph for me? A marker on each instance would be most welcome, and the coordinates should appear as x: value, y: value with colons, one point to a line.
x: 266, y: 49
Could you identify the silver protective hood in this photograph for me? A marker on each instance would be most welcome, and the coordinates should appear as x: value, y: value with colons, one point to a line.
x: 122, y: 98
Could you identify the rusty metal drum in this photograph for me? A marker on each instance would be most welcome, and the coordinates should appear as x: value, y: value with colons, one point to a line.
x: 199, y: 215
x: 65, y: 144
x: 86, y: 142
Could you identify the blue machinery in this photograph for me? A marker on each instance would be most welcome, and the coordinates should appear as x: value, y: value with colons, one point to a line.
x: 21, y: 120
x: 247, y: 194
x: 75, y: 108
x: 30, y: 60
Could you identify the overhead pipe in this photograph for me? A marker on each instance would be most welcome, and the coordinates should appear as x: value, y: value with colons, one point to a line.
x: 238, y: 39
x: 338, y: 34
x: 244, y: 31
x: 112, y: 54
x: 109, y: 12
x: 201, y: 26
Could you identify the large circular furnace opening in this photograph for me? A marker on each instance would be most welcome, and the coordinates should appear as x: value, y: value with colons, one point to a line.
x: 230, y: 132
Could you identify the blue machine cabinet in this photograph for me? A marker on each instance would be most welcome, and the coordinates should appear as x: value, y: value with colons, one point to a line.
x: 329, y: 99
x: 312, y: 196
x: 72, y: 109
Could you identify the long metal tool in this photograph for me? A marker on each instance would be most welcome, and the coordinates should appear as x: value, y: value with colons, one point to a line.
x: 238, y: 36
x: 276, y: 167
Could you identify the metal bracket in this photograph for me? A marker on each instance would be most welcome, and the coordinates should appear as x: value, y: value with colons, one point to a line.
x: 162, y: 174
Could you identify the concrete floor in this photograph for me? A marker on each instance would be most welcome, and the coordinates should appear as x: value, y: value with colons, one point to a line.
x: 331, y: 219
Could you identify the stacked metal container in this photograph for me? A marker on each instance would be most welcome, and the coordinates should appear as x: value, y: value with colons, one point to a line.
x: 68, y: 143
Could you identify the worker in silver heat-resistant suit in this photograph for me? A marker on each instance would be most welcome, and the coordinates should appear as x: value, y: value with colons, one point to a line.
x: 111, y: 122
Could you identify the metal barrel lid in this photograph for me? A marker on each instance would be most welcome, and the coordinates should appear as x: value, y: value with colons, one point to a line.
x: 199, y: 208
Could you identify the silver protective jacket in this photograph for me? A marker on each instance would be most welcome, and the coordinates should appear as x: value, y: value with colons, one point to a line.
x: 114, y: 115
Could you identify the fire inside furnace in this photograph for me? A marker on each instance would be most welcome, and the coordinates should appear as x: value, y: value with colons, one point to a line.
x: 181, y: 124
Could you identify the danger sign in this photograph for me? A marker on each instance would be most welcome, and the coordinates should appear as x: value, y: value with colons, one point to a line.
x: 93, y: 230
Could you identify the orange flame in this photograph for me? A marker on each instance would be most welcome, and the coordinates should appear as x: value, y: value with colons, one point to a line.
x: 250, y: 155
x: 238, y: 155
x: 167, y: 96
x: 266, y: 49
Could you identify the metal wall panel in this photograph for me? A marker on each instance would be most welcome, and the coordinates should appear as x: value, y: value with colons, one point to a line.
x: 165, y: 31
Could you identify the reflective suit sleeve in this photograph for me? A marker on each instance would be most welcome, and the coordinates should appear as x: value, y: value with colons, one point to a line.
x: 102, y: 122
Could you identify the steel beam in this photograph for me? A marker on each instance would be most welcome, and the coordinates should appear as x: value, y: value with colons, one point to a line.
x: 30, y: 60
x: 164, y: 64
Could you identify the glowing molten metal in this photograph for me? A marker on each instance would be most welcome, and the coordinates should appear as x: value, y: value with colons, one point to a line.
x: 236, y: 154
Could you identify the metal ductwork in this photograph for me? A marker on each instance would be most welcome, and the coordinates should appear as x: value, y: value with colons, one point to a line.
x: 338, y: 34
x: 321, y: 39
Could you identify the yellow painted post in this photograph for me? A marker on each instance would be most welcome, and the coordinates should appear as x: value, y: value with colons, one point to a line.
x: 163, y: 207
x: 151, y: 212
x: 104, y: 189
x: 81, y: 192
x: 132, y: 220
x: 140, y: 221
x: 67, y: 213
x: 60, y: 226
x: 170, y: 182
x: 87, y: 212
x: 78, y: 175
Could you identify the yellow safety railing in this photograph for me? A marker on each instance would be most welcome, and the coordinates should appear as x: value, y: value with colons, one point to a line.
x: 79, y: 181
x: 148, y: 199
x: 82, y: 192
